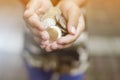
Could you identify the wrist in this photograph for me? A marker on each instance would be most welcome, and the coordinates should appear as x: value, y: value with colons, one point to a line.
x: 67, y: 4
x: 77, y: 2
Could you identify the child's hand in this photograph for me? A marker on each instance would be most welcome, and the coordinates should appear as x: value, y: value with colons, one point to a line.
x: 71, y: 13
x: 33, y: 11
x: 75, y: 25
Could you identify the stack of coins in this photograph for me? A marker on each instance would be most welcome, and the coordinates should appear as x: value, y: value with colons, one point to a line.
x: 55, y: 23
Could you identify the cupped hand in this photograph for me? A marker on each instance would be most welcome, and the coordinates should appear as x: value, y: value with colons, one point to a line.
x: 32, y: 13
x: 75, y: 25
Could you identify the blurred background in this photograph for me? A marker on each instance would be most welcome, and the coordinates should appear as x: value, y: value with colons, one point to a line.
x: 103, y: 23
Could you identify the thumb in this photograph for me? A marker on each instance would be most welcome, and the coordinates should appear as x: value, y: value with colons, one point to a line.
x: 73, y: 16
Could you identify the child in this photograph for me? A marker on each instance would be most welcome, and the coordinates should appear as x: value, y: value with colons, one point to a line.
x: 61, y: 59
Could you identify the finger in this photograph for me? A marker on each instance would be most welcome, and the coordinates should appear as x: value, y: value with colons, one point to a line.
x: 44, y: 35
x: 34, y: 4
x: 31, y: 7
x: 38, y: 41
x: 48, y: 48
x: 71, y: 38
x: 44, y: 44
x: 73, y: 19
x: 34, y: 21
x: 28, y: 13
x: 64, y: 46
x: 81, y: 25
x: 41, y: 34
x: 54, y: 46
x: 66, y: 39
x: 43, y: 8
x: 40, y: 12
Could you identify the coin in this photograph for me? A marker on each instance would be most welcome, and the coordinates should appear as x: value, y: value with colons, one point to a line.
x: 54, y: 32
x: 55, y: 23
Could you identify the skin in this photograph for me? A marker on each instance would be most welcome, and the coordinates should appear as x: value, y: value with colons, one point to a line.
x: 71, y: 12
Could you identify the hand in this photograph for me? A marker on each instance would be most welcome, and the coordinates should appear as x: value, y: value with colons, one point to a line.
x: 33, y: 11
x: 75, y: 25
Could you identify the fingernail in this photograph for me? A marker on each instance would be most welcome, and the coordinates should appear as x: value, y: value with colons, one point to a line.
x: 73, y: 30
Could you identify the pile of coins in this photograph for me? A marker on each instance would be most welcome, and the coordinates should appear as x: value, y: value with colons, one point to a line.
x: 55, y: 23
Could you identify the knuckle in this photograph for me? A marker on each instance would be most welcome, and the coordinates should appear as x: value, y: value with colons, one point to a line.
x: 27, y: 14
